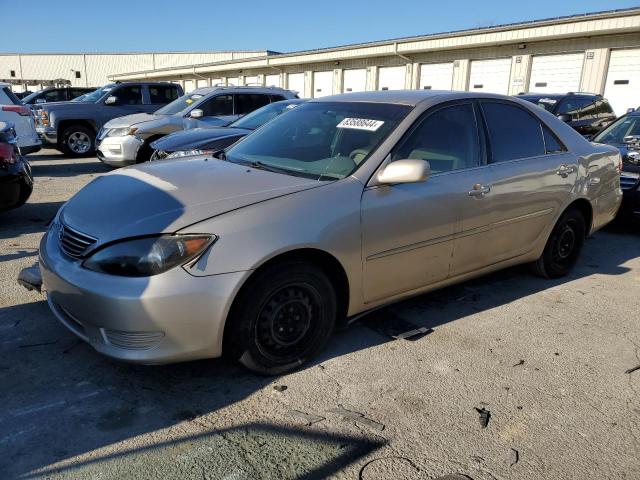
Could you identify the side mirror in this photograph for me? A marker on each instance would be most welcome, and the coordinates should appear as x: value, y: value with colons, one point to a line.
x: 40, y: 100
x: 588, y: 136
x: 405, y: 171
x: 564, y: 117
x: 196, y: 113
x: 633, y: 140
x: 633, y: 157
x: 111, y: 100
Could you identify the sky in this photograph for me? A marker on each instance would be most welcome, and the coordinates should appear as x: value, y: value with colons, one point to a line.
x: 279, y: 25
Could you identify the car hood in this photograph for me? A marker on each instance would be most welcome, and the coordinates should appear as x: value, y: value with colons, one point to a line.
x: 163, y: 197
x: 133, y: 119
x: 196, y: 137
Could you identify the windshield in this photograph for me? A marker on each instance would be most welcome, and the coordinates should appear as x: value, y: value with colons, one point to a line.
x: 549, y: 104
x: 81, y: 98
x: 99, y: 93
x: 324, y: 140
x: 31, y: 96
x: 179, y: 104
x: 614, y: 134
x: 263, y: 115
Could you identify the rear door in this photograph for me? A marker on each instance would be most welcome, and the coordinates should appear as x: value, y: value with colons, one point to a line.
x: 533, y: 176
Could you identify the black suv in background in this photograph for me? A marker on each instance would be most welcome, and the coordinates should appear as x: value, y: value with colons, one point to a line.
x: 48, y: 95
x: 587, y: 113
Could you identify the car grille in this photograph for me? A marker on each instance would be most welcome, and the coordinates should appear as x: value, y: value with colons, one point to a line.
x: 73, y: 242
x: 132, y: 340
x: 627, y: 182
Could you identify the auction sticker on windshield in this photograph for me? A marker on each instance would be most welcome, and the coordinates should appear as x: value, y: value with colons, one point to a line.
x: 360, y: 124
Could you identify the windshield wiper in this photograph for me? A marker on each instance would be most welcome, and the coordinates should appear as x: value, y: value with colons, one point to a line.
x: 270, y: 168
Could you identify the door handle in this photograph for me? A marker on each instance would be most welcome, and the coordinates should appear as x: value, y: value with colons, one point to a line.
x: 565, y: 170
x: 479, y: 190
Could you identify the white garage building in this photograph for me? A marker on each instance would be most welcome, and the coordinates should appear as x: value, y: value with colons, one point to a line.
x: 598, y: 53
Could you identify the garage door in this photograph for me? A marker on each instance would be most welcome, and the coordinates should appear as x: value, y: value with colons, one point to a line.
x: 322, y: 84
x: 216, y: 81
x: 296, y: 83
x: 436, y: 76
x: 233, y: 81
x: 355, y: 80
x: 556, y: 73
x: 272, y: 80
x: 202, y: 83
x: 252, y: 80
x: 189, y: 85
x: 490, y: 76
x: 391, y: 78
x: 622, y: 88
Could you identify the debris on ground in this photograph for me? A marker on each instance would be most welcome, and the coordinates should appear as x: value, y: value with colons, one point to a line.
x: 485, y: 415
x: 514, y: 456
x: 306, y: 419
x: 521, y: 362
x: 357, y: 417
x: 632, y: 369
x: 30, y: 278
x: 456, y: 476
x: 391, y: 325
x: 280, y: 388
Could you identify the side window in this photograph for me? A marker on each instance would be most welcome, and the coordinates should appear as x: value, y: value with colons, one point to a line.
x: 129, y: 95
x: 447, y: 139
x: 277, y: 98
x: 572, y: 106
x: 220, y: 105
x: 54, y: 96
x: 248, y: 102
x: 162, y: 94
x: 588, y: 110
x: 74, y: 92
x: 551, y: 143
x: 513, y: 132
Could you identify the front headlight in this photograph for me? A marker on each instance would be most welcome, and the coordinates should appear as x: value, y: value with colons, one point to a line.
x: 121, y: 132
x: 144, y: 257
x: 187, y: 153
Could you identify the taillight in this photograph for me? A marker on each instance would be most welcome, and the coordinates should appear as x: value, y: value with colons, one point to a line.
x: 7, y: 154
x: 44, y: 117
x: 19, y: 109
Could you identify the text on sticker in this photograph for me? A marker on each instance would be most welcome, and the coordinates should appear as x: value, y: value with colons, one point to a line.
x: 361, y: 124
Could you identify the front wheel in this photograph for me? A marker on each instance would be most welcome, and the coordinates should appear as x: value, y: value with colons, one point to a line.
x: 78, y: 141
x: 282, y: 318
x: 563, y: 247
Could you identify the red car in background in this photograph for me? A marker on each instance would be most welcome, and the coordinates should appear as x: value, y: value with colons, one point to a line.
x: 16, y: 181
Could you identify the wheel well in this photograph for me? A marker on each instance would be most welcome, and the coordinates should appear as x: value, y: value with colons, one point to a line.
x: 67, y: 123
x: 586, y: 209
x: 319, y: 258
x: 145, y: 148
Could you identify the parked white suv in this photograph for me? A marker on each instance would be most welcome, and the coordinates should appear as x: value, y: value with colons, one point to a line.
x: 12, y: 110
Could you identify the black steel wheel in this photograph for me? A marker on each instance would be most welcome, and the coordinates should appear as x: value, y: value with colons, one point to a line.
x: 564, y: 245
x: 282, y: 318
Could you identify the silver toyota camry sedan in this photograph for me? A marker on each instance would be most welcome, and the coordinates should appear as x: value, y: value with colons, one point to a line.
x: 337, y: 207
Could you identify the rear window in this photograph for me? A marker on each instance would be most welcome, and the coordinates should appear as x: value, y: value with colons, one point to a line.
x: 12, y: 96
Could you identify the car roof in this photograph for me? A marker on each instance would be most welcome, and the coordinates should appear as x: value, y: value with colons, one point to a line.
x: 255, y: 89
x: 558, y: 95
x: 409, y: 97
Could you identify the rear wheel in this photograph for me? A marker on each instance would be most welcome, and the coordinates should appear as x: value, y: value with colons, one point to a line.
x: 563, y: 247
x: 78, y: 141
x: 282, y: 318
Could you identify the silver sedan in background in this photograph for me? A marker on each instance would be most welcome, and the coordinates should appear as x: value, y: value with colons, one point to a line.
x: 342, y: 205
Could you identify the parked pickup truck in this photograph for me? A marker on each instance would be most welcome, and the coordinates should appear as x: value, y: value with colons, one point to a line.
x: 71, y: 127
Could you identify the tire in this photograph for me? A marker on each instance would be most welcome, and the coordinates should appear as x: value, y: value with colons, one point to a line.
x: 78, y: 141
x: 144, y: 153
x: 282, y: 318
x: 563, y: 247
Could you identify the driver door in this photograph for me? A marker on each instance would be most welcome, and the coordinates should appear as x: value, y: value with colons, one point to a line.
x: 408, y: 230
